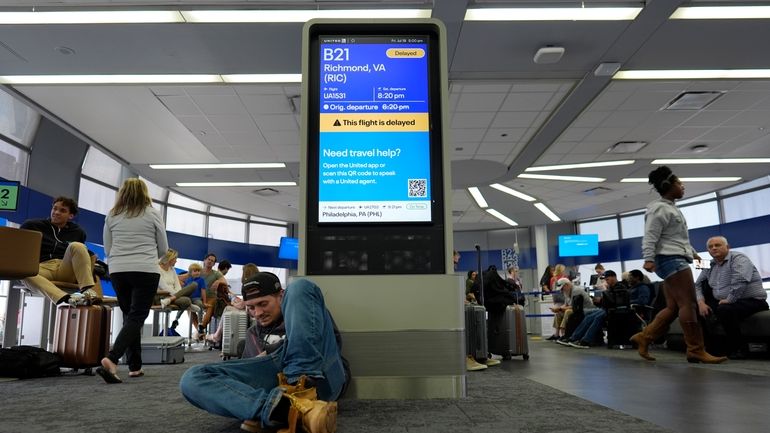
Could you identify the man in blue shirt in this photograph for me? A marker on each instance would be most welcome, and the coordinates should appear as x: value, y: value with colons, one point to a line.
x: 737, y: 291
x: 640, y: 292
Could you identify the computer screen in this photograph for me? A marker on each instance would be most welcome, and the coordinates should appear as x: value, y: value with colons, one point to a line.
x: 288, y: 249
x: 578, y: 245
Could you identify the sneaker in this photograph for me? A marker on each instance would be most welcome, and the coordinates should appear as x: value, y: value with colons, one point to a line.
x: 491, y: 362
x: 497, y: 357
x: 553, y: 337
x: 76, y: 300
x: 563, y: 342
x: 472, y: 365
x: 164, y: 303
x: 91, y: 297
x: 579, y: 344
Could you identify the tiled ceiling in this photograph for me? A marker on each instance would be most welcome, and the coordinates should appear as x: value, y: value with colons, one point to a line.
x: 506, y: 113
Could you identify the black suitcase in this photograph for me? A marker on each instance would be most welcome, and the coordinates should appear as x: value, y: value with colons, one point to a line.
x: 476, y: 331
x: 622, y: 323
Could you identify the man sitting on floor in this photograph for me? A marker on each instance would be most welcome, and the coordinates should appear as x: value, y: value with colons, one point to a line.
x: 63, y: 256
x: 294, y: 378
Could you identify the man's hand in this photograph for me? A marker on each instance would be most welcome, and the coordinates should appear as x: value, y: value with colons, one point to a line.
x: 696, y: 256
x: 723, y: 301
x: 703, y: 309
x: 649, y: 266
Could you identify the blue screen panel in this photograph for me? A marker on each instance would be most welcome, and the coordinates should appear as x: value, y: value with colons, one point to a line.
x: 289, y: 249
x: 578, y: 245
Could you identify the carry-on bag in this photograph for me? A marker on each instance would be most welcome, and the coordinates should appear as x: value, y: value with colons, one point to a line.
x: 234, y: 326
x: 163, y: 350
x: 508, y: 333
x: 82, y: 335
x: 476, y: 331
x: 622, y: 323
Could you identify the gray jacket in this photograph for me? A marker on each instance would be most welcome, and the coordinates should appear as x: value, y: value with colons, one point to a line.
x: 665, y: 232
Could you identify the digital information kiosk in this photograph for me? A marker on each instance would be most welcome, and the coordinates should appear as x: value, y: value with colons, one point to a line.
x: 375, y: 224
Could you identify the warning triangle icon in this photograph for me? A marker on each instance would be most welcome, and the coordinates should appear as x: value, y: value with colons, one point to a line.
x: 337, y: 123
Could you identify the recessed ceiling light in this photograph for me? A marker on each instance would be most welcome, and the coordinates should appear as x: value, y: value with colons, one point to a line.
x: 548, y: 212
x: 564, y: 178
x: 210, y: 166
x: 581, y: 165
x: 110, y: 79
x: 262, y: 78
x: 711, y: 161
x: 476, y: 194
x: 90, y: 17
x: 684, y: 179
x: 194, y: 184
x: 502, y: 217
x: 552, y: 14
x: 296, y: 16
x: 512, y: 192
x: 721, y: 12
x: 691, y: 74
x: 699, y: 148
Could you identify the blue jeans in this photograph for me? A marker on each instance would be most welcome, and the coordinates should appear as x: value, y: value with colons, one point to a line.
x: 666, y: 266
x: 248, y: 388
x: 590, y: 327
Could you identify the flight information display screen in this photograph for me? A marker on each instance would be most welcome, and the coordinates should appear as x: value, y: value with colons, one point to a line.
x: 374, y: 141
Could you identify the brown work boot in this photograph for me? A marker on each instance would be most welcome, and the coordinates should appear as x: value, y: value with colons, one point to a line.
x: 254, y: 426
x: 652, y: 332
x: 693, y: 337
x: 315, y: 416
x: 300, y: 389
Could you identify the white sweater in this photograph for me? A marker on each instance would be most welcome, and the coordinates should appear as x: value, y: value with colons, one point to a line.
x: 169, y: 281
x: 135, y: 244
x: 665, y: 232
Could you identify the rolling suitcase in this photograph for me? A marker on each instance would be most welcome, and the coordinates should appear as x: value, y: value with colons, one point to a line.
x: 234, y: 326
x: 622, y: 323
x: 163, y: 350
x: 476, y: 331
x: 508, y: 333
x: 82, y: 335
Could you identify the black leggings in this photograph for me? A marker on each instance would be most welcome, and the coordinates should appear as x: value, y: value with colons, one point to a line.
x: 135, y: 291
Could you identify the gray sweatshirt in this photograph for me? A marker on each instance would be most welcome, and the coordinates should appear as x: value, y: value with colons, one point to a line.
x: 665, y: 232
x: 135, y: 244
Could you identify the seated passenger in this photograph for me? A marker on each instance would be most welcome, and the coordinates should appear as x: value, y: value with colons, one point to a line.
x: 572, y: 294
x: 63, y: 256
x: 296, y: 374
x: 562, y: 309
x: 170, y: 291
x: 737, y: 292
x: 586, y: 329
x: 236, y: 303
x: 193, y: 276
x: 641, y: 293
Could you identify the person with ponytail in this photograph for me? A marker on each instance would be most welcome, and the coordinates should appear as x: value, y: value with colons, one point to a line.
x: 667, y: 251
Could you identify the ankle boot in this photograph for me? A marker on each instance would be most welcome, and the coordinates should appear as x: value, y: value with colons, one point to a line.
x: 693, y: 337
x: 652, y: 332
x: 315, y: 416
x: 300, y: 389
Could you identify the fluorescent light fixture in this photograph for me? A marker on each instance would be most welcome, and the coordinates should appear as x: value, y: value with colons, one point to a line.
x: 691, y: 74
x: 150, y: 79
x: 193, y: 184
x: 262, y: 78
x: 296, y: 16
x: 476, y: 194
x: 90, y: 17
x: 721, y: 13
x: 712, y: 161
x: 581, y: 165
x: 551, y: 14
x: 210, y: 166
x: 548, y: 212
x: 685, y: 179
x: 565, y: 178
x: 512, y: 192
x: 502, y: 217
x: 109, y: 79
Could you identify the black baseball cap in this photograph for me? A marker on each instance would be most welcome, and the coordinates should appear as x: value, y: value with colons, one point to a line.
x: 261, y: 284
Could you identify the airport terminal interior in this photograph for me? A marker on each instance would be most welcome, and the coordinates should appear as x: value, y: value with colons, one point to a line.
x: 540, y: 121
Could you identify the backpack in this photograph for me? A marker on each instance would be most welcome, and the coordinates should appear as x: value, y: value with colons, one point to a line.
x: 498, y: 293
x: 617, y: 296
x: 27, y: 361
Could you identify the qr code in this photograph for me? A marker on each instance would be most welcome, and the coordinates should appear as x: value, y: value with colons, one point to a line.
x: 418, y: 188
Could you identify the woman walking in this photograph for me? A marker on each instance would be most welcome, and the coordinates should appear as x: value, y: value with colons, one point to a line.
x: 667, y: 252
x: 134, y: 240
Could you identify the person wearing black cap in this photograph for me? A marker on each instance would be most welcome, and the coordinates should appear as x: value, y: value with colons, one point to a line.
x: 295, y: 378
